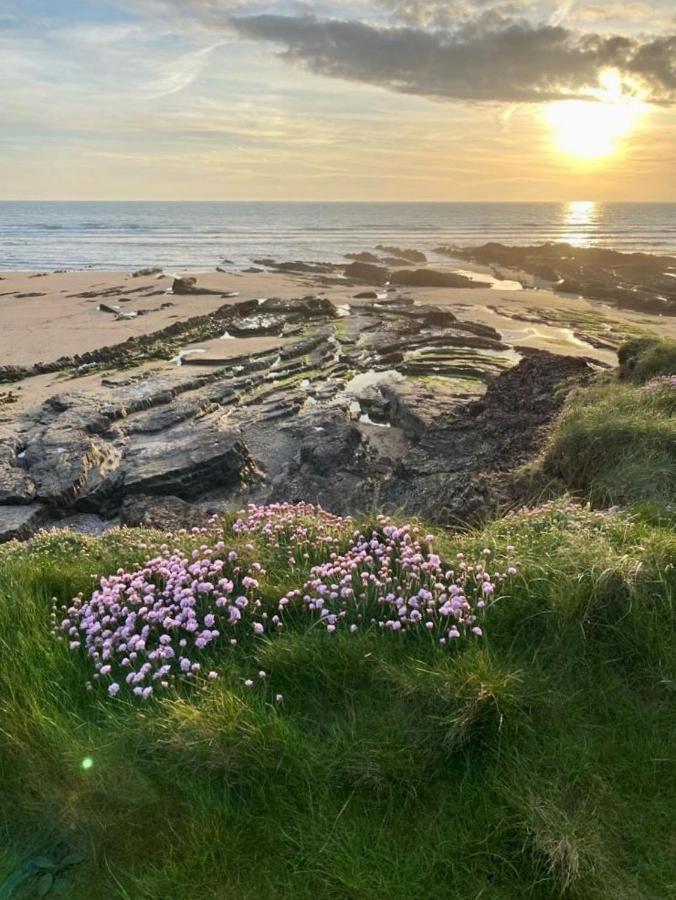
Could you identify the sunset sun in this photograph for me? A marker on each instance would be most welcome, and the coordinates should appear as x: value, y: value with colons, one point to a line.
x: 592, y: 129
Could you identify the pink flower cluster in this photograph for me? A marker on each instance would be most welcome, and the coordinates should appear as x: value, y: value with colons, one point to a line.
x: 659, y: 383
x: 391, y: 579
x: 303, y: 530
x: 148, y: 629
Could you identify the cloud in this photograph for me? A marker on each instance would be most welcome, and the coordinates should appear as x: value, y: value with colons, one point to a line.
x: 491, y: 59
x: 181, y: 72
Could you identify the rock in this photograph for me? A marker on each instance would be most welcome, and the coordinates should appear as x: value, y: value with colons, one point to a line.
x: 395, y: 262
x: 85, y: 523
x: 20, y: 522
x: 460, y: 471
x: 288, y: 423
x: 434, y: 316
x: 185, y: 285
x: 364, y: 257
x: 639, y: 281
x: 366, y: 272
x: 416, y: 256
x: 300, y: 309
x: 103, y: 307
x: 188, y: 285
x: 415, y: 406
x: 163, y: 513
x: 256, y: 325
x: 15, y: 484
x: 73, y: 470
x: 331, y: 448
x: 432, y: 278
x: 297, y: 266
x: 142, y: 273
x: 186, y: 460
x: 366, y: 295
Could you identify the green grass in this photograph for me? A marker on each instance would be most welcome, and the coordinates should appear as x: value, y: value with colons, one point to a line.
x: 616, y: 444
x: 646, y: 357
x: 615, y: 441
x: 537, y: 762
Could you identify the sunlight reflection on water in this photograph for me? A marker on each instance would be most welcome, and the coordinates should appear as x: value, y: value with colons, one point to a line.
x: 578, y: 221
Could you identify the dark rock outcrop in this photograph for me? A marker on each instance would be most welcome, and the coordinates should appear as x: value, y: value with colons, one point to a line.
x: 188, y: 285
x: 364, y: 257
x: 432, y: 278
x: 19, y: 522
x: 182, y: 460
x: 367, y: 273
x: 415, y: 256
x: 638, y: 281
x: 163, y: 513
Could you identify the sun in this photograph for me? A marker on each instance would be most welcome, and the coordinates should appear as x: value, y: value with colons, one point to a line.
x: 592, y: 129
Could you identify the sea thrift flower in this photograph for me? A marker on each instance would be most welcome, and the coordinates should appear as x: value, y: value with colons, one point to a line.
x: 152, y: 627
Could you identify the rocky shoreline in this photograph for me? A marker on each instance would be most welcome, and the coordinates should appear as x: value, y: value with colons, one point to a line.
x: 404, y: 394
x: 639, y: 281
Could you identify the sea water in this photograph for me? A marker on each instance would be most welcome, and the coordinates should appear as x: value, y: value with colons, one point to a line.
x: 185, y: 235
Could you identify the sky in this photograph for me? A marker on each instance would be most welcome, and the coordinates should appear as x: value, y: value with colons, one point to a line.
x: 337, y: 100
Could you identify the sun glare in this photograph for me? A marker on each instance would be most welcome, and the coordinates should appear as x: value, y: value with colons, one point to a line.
x: 591, y: 129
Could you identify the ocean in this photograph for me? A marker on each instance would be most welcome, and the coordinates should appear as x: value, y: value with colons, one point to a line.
x: 185, y: 235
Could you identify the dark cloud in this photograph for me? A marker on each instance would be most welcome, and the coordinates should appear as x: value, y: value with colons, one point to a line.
x: 483, y: 60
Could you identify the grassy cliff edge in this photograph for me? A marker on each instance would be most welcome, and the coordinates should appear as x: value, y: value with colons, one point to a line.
x: 531, y: 760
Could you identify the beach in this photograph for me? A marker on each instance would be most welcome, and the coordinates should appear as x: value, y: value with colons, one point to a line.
x: 321, y: 379
x: 47, y: 316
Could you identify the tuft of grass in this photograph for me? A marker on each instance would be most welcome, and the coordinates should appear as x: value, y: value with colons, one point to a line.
x: 616, y: 444
x: 644, y: 358
x: 535, y: 763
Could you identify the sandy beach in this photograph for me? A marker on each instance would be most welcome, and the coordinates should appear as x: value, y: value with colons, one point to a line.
x: 217, y: 386
x: 44, y: 317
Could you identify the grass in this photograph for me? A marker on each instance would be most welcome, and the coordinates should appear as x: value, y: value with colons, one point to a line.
x: 644, y: 358
x: 536, y: 762
x: 615, y: 442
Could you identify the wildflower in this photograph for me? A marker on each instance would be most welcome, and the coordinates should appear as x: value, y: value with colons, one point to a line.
x: 248, y: 683
x: 156, y: 620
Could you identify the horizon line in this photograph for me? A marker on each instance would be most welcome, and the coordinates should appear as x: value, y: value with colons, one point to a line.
x: 337, y: 202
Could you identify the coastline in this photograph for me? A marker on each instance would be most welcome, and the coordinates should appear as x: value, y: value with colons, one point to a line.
x: 322, y: 382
